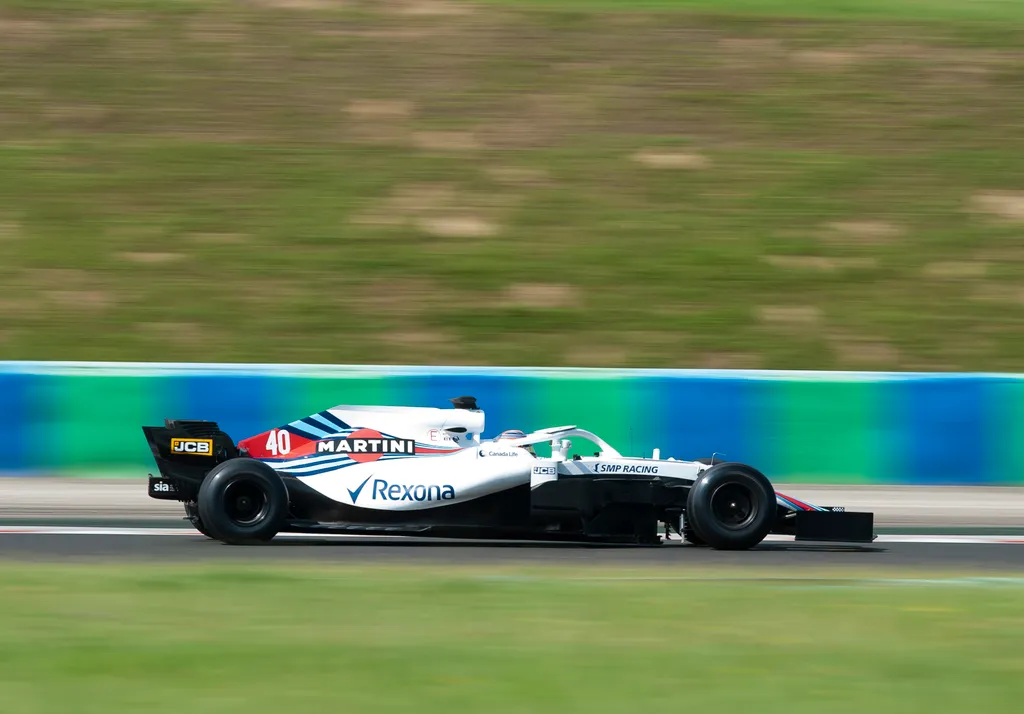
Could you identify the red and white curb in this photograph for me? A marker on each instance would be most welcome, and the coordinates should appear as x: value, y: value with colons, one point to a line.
x: 188, y: 532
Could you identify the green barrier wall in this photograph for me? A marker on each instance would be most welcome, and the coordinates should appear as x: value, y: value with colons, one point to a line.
x: 85, y: 419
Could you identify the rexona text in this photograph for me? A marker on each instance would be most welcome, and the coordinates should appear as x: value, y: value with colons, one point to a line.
x: 384, y: 491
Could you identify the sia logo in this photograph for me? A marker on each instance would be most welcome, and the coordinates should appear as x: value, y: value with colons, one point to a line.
x: 365, y: 445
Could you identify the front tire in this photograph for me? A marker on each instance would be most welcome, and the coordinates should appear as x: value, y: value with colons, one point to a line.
x: 731, y: 506
x: 243, y: 501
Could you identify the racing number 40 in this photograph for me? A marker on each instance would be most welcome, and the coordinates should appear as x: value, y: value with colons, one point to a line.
x: 279, y: 442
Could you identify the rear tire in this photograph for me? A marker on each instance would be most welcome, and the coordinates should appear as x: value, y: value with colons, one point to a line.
x: 731, y: 506
x: 243, y: 501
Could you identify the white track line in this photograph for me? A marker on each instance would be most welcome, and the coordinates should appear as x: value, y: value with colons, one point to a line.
x: 951, y: 539
x: 80, y: 531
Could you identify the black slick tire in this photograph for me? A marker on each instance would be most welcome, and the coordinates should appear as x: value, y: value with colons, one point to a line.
x: 731, y: 506
x: 243, y: 501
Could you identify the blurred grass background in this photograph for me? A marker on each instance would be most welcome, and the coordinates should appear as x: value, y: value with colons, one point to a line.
x: 687, y: 183
x: 230, y: 638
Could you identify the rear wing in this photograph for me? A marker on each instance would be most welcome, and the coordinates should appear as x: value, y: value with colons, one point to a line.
x: 186, y: 449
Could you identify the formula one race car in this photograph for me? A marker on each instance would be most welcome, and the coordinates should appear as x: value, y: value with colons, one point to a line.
x: 425, y: 471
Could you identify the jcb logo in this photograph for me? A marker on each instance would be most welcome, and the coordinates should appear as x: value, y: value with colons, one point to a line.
x: 193, y: 447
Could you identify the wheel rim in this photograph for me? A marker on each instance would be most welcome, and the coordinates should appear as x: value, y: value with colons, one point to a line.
x: 733, y: 505
x: 245, y: 503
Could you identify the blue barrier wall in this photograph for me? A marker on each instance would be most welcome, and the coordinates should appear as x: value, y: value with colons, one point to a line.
x: 84, y: 419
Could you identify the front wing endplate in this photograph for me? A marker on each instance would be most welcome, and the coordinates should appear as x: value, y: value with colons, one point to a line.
x: 843, y: 527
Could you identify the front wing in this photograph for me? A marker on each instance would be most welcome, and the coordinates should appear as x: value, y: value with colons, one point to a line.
x: 834, y: 526
x: 809, y: 522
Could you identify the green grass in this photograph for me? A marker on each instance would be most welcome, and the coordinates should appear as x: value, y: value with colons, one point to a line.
x: 233, y: 639
x: 916, y: 10
x: 273, y: 182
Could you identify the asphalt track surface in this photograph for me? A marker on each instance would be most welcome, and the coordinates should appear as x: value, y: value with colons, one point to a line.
x: 113, y: 520
x: 156, y: 546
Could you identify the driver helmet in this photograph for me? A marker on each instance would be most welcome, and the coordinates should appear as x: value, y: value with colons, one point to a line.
x: 510, y: 434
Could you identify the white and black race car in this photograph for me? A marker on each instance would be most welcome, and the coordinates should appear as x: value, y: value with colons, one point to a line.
x: 426, y: 471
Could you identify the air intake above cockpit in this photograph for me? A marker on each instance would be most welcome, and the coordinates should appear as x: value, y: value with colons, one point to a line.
x: 465, y: 403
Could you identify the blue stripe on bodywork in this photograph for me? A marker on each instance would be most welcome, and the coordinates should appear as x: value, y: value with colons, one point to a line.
x: 331, y: 419
x: 315, y: 469
x: 313, y: 427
